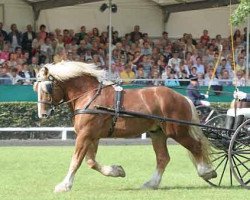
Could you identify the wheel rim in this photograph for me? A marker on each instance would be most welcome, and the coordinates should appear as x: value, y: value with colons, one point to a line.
x: 239, y: 154
x: 219, y: 155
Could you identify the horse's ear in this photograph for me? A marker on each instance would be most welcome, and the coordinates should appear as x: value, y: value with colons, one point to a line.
x: 46, y: 71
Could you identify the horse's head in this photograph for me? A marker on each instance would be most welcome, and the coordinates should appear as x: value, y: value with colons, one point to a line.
x: 48, y: 94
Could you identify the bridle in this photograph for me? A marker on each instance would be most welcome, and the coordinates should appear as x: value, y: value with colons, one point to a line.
x: 52, y: 82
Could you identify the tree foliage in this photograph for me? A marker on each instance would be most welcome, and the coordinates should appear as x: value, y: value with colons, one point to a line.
x: 241, y: 13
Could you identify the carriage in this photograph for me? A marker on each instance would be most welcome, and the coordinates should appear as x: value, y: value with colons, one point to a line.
x: 104, y: 110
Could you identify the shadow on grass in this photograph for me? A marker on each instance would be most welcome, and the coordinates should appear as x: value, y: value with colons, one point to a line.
x: 186, y: 188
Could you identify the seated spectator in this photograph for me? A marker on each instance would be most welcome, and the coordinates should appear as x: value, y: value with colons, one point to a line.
x: 26, y: 73
x: 182, y: 74
x: 140, y: 75
x: 4, y: 77
x: 155, y: 76
x: 146, y: 49
x: 239, y: 80
x: 199, y: 65
x: 174, y: 62
x: 127, y: 74
x: 193, y: 72
x: 5, y: 53
x: 60, y: 55
x: 222, y: 66
x: 210, y: 79
x: 172, y: 81
x: 147, y: 65
x: 225, y: 78
x: 15, y: 78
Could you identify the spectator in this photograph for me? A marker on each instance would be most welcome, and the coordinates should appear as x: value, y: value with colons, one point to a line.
x: 80, y: 36
x: 210, y: 79
x: 174, y: 62
x: 3, y: 32
x: 26, y: 73
x: 146, y: 49
x: 199, y: 66
x: 28, y: 37
x: 172, y: 81
x: 205, y: 37
x: 15, y: 78
x: 225, y: 78
x: 239, y: 80
x: 4, y: 77
x: 127, y: 74
x: 136, y: 34
x: 42, y: 34
x: 14, y: 37
x: 60, y: 55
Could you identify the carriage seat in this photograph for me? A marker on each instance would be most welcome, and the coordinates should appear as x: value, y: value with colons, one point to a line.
x: 239, y: 111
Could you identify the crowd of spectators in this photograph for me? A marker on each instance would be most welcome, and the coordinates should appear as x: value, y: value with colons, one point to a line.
x: 135, y: 55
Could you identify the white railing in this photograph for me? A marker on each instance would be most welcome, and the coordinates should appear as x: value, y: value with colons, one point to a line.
x: 64, y: 130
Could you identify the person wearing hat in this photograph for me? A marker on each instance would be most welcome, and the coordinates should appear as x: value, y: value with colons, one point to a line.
x: 194, y: 94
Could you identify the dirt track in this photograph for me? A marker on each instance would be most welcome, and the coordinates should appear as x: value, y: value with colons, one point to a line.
x: 71, y: 142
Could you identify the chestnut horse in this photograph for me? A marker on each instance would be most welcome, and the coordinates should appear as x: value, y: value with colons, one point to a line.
x: 78, y: 84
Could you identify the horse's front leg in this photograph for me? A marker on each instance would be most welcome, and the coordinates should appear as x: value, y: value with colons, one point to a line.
x: 81, y: 147
x: 162, y: 159
x: 113, y: 171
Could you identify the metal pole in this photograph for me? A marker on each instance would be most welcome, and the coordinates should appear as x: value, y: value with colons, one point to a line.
x: 247, y: 50
x: 110, y: 36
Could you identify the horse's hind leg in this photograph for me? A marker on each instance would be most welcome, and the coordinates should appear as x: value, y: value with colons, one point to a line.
x: 162, y: 159
x: 114, y: 170
x: 81, y: 148
x: 199, y: 148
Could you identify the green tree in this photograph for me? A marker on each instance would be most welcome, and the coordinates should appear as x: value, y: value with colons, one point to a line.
x: 241, y: 13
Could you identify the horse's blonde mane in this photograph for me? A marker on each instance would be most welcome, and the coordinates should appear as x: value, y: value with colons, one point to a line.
x: 66, y: 70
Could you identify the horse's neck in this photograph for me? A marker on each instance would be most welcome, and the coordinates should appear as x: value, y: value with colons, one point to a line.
x: 79, y: 86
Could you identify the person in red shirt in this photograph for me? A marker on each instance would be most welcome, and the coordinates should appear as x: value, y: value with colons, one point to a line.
x: 205, y: 37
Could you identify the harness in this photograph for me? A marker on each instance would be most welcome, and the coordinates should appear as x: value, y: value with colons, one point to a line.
x: 115, y: 110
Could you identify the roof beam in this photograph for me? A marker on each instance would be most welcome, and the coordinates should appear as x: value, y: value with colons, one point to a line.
x: 42, y: 5
x: 198, y: 5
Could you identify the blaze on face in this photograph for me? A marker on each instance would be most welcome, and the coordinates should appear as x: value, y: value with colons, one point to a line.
x: 44, y: 101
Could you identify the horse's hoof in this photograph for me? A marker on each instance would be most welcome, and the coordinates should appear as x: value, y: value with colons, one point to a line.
x: 62, y: 187
x: 149, y: 186
x: 209, y: 175
x: 118, y: 171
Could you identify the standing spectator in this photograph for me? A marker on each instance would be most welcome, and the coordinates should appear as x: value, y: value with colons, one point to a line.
x: 136, y: 34
x: 14, y: 37
x: 3, y: 32
x: 42, y: 34
x: 205, y: 37
x: 67, y: 39
x: 80, y: 36
x: 28, y: 37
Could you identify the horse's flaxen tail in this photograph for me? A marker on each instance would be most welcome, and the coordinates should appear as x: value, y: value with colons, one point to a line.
x: 196, y: 133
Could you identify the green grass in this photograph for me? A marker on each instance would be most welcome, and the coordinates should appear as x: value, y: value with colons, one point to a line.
x: 30, y: 173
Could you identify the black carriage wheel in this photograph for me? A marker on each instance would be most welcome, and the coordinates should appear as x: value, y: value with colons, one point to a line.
x: 239, y: 154
x: 205, y: 113
x: 219, y: 155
